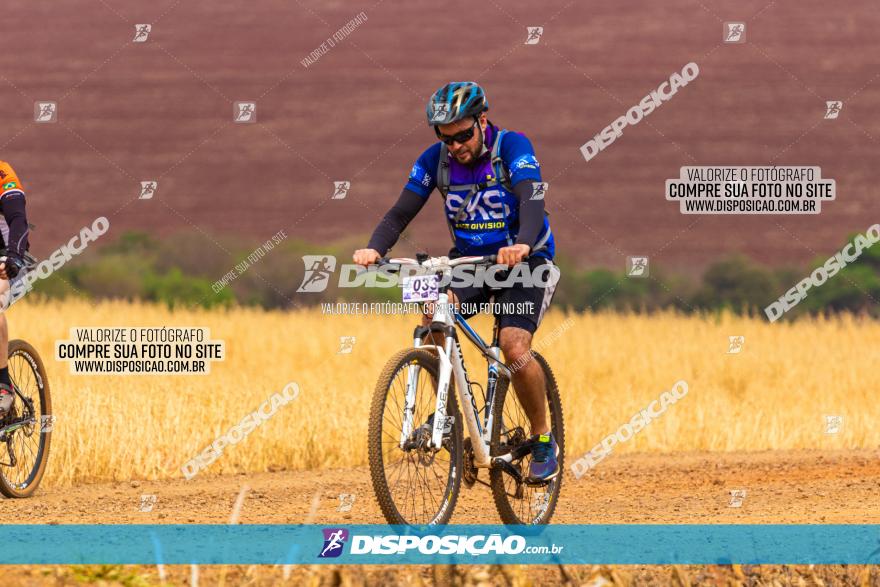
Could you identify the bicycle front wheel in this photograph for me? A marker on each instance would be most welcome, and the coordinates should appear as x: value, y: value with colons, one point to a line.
x: 27, y: 428
x: 415, y: 483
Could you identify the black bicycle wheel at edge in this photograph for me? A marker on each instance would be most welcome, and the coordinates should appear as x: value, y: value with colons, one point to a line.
x: 416, y: 485
x: 24, y: 451
x: 518, y: 503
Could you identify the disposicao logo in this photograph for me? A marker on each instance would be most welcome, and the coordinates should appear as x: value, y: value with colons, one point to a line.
x: 334, y: 540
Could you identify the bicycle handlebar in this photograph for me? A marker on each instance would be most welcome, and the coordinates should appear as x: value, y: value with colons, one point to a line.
x: 29, y: 260
x: 438, y: 262
x: 427, y: 262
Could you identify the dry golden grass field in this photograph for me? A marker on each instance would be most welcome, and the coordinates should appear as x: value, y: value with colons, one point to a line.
x: 774, y: 394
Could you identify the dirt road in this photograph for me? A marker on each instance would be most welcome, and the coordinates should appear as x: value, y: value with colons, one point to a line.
x: 817, y: 487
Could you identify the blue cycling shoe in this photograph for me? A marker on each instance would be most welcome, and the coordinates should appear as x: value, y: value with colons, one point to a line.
x: 544, y: 466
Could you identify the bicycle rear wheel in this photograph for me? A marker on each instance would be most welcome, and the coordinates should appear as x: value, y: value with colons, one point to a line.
x: 414, y: 484
x: 517, y: 502
x: 27, y: 428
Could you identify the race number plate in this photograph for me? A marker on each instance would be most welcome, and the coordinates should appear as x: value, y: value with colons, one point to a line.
x: 421, y: 288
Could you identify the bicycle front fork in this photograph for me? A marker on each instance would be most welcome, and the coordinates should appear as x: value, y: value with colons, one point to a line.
x: 444, y: 377
x: 412, y: 379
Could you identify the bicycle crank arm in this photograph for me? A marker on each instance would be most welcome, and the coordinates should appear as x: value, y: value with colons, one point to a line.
x: 515, y: 454
x: 508, y: 468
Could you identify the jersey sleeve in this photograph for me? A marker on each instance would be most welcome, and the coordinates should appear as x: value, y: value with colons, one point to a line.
x: 519, y: 156
x: 421, y: 176
x: 9, y: 182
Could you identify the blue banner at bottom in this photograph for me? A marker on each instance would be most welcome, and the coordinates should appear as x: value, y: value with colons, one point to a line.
x: 650, y: 544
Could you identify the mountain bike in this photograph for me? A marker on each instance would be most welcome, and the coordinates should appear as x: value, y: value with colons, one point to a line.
x: 417, y: 451
x: 26, y: 430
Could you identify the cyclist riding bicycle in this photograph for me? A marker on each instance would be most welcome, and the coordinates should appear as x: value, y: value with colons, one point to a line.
x: 14, y: 237
x: 491, y: 183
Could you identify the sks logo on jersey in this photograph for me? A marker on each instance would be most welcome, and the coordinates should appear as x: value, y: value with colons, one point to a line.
x: 334, y: 540
x: 485, y: 207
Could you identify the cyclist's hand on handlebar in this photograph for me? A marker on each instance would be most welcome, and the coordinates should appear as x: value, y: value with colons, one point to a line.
x: 366, y: 257
x: 10, y: 266
x: 512, y: 255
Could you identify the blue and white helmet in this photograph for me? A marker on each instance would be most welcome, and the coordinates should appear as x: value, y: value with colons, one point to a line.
x: 456, y: 101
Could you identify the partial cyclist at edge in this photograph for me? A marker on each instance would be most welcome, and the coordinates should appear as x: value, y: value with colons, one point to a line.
x: 14, y: 238
x: 486, y: 176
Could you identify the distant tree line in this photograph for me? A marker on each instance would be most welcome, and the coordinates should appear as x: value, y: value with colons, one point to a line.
x: 190, y: 269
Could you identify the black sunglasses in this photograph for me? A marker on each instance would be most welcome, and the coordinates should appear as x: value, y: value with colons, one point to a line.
x: 459, y: 137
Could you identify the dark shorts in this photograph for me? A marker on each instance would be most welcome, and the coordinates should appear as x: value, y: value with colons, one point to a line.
x: 518, y: 305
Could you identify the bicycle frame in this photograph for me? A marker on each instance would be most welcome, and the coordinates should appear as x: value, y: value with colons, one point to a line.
x: 445, y: 320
